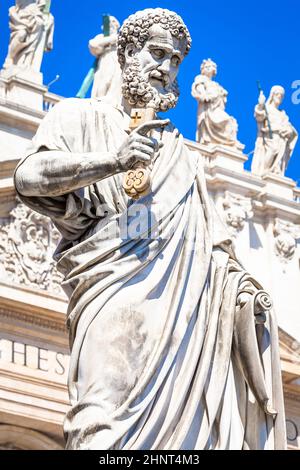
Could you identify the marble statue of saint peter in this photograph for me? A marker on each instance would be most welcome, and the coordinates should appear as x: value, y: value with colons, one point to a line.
x: 173, y: 344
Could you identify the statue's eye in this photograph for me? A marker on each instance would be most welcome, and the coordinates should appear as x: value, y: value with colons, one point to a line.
x: 175, y: 60
x: 158, y: 53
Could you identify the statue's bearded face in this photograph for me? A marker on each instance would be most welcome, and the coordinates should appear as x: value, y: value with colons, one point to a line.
x: 149, y: 75
x: 277, y: 97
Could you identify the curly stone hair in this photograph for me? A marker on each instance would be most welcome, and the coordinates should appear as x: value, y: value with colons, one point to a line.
x: 135, y: 30
x: 209, y: 62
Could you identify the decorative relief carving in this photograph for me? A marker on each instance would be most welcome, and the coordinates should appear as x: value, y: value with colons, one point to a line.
x: 286, y: 235
x: 27, y: 243
x: 238, y: 209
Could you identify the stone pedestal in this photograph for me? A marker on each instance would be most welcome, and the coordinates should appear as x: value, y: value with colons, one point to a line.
x: 221, y: 155
x: 26, y: 74
x: 280, y: 186
x: 23, y: 86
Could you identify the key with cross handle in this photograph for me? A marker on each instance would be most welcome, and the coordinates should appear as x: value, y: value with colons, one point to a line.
x: 137, y: 182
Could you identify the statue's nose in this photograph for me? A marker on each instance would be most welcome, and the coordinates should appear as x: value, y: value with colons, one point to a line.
x: 164, y: 67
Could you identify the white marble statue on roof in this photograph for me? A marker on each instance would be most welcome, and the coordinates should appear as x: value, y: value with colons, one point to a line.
x: 214, y: 124
x: 107, y: 79
x: 31, y: 33
x: 276, y: 136
x: 174, y: 345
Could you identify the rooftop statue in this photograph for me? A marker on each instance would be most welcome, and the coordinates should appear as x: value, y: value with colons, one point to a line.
x: 32, y: 27
x: 107, y: 79
x: 214, y: 125
x: 174, y: 345
x: 276, y: 137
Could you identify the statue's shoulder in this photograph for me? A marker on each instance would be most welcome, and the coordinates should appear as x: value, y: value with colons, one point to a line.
x: 201, y: 79
x: 81, y: 106
x: 77, y: 113
x: 67, y: 106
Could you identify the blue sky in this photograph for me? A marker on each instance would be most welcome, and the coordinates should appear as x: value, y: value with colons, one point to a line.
x: 250, y: 41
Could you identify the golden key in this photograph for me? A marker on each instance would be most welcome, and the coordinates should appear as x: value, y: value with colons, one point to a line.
x: 137, y: 180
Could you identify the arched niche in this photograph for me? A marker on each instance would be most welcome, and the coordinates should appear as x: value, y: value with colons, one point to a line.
x: 18, y: 438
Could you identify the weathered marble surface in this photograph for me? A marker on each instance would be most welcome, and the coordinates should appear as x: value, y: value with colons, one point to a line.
x: 166, y: 327
x: 27, y: 242
x: 276, y: 137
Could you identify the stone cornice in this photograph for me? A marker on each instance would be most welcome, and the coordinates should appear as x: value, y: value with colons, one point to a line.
x: 33, y: 319
x: 9, y: 77
x: 212, y: 150
x: 33, y: 381
x: 289, y: 343
x: 7, y: 196
x: 7, y: 168
x: 17, y: 115
x: 36, y: 308
x: 254, y: 187
x: 290, y: 361
x: 294, y: 396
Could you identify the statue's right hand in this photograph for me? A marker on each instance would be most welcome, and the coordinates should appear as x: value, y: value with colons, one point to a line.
x: 138, y: 147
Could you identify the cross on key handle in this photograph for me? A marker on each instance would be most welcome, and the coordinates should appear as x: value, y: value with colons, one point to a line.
x: 137, y: 180
x: 140, y: 116
x: 136, y: 119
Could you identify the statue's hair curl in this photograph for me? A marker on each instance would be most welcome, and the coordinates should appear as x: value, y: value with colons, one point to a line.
x: 135, y: 30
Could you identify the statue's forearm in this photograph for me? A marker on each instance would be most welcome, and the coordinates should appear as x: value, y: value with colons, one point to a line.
x: 53, y: 173
x: 98, y: 45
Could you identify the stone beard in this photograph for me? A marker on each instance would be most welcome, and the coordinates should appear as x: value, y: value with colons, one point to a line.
x: 139, y: 92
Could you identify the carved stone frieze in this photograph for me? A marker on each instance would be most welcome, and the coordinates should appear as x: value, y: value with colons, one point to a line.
x: 237, y: 209
x: 27, y: 243
x: 286, y: 235
x: 33, y: 320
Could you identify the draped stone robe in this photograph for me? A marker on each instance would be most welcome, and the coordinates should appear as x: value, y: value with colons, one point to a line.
x: 153, y: 288
x: 31, y: 34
